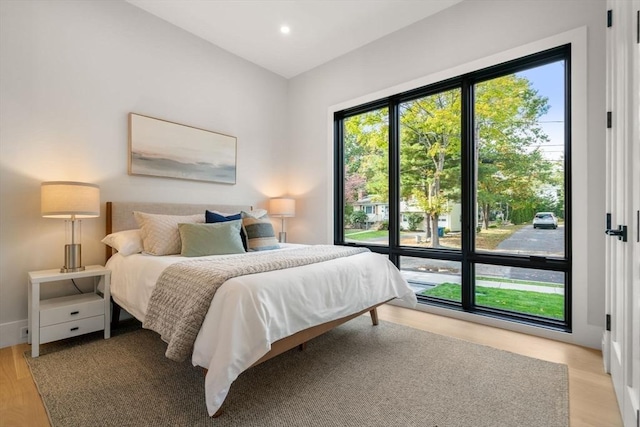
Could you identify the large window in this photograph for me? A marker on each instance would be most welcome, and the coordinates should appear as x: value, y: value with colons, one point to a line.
x: 365, y: 195
x: 465, y: 185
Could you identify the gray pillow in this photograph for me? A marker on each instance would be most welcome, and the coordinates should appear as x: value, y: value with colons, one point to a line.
x: 211, y: 239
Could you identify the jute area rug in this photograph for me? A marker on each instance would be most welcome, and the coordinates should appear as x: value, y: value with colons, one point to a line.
x: 355, y: 375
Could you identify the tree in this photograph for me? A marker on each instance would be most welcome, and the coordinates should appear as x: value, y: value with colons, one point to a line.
x: 354, y: 186
x: 367, y: 144
x: 510, y: 167
x: 366, y: 154
x: 510, y: 164
x: 430, y: 154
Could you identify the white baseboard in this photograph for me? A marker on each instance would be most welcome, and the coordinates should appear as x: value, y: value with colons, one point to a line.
x: 10, y: 333
x: 512, y: 326
x: 606, y: 352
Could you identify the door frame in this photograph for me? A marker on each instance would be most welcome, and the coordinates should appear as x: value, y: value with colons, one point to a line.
x: 621, y: 340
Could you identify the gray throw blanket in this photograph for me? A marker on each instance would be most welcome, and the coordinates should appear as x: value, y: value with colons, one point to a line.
x: 184, y: 291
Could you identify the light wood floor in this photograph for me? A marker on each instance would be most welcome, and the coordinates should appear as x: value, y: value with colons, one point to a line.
x: 592, y: 401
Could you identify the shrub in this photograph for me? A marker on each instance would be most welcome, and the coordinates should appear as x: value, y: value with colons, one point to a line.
x: 383, y: 225
x: 414, y: 220
x: 358, y: 218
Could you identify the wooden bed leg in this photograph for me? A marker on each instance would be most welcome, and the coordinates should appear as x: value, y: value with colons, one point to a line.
x: 303, y: 346
x: 374, y: 316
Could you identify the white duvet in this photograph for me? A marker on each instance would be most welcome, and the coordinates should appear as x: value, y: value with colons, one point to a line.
x: 249, y: 313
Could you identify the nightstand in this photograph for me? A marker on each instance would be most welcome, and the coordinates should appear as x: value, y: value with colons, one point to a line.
x: 68, y: 316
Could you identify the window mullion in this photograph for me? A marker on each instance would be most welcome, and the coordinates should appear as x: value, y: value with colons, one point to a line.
x: 338, y: 176
x: 394, y: 180
x: 468, y: 160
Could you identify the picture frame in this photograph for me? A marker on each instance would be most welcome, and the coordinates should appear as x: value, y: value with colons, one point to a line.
x: 166, y: 149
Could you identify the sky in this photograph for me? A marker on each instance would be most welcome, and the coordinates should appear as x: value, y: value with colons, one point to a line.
x: 549, y: 82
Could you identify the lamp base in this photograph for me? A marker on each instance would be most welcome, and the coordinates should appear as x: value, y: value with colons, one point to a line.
x: 282, y: 238
x: 71, y: 270
x: 72, y: 258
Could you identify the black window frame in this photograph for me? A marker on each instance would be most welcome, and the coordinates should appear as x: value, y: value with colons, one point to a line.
x: 467, y: 255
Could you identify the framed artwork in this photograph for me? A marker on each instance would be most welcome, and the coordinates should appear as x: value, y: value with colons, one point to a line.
x: 171, y: 150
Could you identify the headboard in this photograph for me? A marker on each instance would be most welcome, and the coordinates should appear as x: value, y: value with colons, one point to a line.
x: 120, y: 214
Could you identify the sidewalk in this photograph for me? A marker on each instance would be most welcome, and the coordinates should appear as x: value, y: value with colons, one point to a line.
x: 420, y: 281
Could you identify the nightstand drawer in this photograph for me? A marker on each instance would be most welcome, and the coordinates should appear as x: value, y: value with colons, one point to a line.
x: 71, y: 329
x: 70, y: 308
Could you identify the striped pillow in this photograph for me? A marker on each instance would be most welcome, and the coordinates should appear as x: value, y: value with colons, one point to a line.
x: 259, y: 233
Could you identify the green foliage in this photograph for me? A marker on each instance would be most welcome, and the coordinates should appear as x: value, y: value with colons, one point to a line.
x: 348, y: 210
x: 430, y: 130
x: 414, y: 220
x: 366, y: 151
x: 511, y: 168
x: 358, y: 218
x: 383, y: 225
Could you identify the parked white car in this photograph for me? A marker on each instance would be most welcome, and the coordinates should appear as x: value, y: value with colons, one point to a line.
x: 545, y: 220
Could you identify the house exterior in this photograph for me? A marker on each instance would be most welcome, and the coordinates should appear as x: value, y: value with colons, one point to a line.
x: 379, y: 211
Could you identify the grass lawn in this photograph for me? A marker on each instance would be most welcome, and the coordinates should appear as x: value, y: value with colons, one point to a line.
x: 520, y: 281
x: 537, y: 303
x: 365, y: 235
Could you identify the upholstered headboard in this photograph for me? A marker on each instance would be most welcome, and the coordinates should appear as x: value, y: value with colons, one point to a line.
x: 120, y: 214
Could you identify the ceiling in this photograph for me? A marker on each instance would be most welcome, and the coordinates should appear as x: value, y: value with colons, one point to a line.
x: 321, y: 30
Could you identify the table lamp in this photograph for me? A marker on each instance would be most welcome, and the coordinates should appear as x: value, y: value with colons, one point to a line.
x: 282, y: 207
x: 71, y: 201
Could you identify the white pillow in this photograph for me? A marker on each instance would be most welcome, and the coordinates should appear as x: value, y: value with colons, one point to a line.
x: 127, y: 242
x: 160, y: 235
x: 256, y: 213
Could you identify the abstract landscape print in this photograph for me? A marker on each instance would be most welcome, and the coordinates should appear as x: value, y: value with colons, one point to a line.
x: 166, y: 149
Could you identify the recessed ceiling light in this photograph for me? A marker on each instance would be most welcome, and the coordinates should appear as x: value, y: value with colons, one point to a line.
x: 285, y: 29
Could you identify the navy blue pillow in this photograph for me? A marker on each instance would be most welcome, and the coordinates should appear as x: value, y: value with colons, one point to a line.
x: 212, y: 217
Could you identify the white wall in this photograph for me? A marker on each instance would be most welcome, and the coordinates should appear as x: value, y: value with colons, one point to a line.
x: 439, y: 47
x: 70, y: 71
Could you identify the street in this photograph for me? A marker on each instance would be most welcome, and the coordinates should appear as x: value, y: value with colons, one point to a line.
x: 526, y: 241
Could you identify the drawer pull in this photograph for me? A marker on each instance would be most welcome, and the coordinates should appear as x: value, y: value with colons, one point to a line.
x: 74, y: 312
x: 74, y: 329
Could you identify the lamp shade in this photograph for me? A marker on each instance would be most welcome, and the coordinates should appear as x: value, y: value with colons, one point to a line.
x: 282, y: 206
x: 66, y: 199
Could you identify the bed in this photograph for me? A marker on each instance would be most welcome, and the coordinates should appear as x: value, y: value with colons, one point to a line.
x: 251, y: 317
